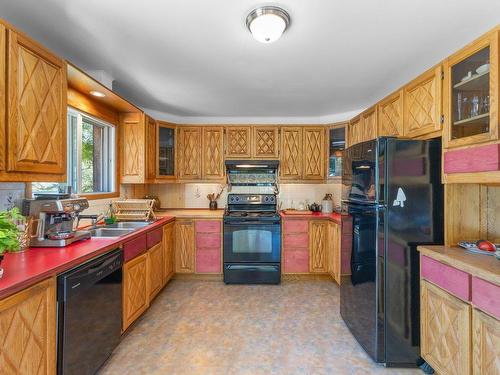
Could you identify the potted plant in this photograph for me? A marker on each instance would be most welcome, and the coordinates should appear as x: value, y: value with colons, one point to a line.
x: 10, y: 232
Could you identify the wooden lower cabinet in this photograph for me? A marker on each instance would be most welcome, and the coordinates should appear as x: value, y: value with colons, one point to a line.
x: 208, y: 246
x: 334, y: 238
x: 155, y: 270
x: 28, y: 331
x: 184, y: 246
x: 135, y: 289
x: 318, y: 246
x: 485, y: 344
x: 168, y: 252
x: 445, y: 330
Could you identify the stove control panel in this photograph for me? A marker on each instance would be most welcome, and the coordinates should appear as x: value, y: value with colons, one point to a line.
x: 251, y: 199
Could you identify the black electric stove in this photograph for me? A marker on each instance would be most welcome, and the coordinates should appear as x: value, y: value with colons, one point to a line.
x: 252, y: 240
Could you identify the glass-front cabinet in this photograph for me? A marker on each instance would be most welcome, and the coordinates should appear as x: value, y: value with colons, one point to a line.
x: 336, y: 147
x: 166, y: 151
x: 471, y: 89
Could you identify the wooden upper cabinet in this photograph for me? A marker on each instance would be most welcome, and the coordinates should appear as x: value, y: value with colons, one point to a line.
x: 36, y: 108
x: 184, y: 246
x: 266, y: 142
x: 189, y: 153
x: 151, y: 144
x: 422, y: 104
x: 354, y: 131
x: 471, y: 93
x: 213, y: 153
x: 239, y: 142
x: 166, y: 164
x: 291, y: 153
x: 132, y: 138
x: 390, y: 115
x: 314, y: 153
x: 369, y: 124
x: 28, y: 331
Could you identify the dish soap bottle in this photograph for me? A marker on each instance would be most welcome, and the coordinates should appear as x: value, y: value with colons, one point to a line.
x: 110, y: 217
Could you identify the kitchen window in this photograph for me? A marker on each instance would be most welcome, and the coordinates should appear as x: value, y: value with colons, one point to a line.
x: 91, y: 158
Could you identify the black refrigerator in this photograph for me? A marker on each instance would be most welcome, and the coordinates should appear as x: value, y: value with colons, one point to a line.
x: 392, y: 193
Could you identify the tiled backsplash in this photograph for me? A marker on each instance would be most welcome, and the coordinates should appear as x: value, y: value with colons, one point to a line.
x: 11, y: 194
x: 195, y: 195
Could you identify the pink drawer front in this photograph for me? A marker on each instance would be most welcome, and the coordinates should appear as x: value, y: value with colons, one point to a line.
x: 208, y: 241
x: 296, y: 261
x: 486, y: 296
x: 295, y: 226
x: 449, y: 278
x: 134, y: 247
x: 296, y: 240
x: 154, y: 237
x: 208, y: 226
x: 473, y: 159
x: 208, y: 261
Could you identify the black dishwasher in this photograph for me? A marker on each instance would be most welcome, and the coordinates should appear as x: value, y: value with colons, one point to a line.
x: 89, y: 310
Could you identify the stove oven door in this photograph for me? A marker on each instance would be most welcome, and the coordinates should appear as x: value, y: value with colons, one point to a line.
x: 252, y: 242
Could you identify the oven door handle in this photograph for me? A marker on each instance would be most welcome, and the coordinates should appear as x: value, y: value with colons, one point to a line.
x: 251, y: 222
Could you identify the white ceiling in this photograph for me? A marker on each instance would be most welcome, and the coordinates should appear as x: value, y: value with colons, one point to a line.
x: 195, y: 61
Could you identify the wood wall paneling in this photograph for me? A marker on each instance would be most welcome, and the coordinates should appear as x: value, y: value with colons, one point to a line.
x: 28, y: 331
x: 3, y: 93
x: 36, y: 104
x: 422, y: 103
x: 213, y: 153
x: 239, y: 142
x: 390, y: 115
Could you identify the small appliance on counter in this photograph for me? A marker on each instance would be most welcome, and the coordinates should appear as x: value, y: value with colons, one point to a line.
x: 54, y: 218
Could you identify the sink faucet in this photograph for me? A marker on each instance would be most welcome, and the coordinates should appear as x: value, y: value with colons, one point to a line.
x: 95, y: 219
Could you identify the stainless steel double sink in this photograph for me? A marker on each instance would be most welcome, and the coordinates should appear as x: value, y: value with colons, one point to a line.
x: 118, y: 229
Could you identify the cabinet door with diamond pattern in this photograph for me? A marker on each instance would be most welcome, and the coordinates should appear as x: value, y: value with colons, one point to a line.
x: 318, y: 246
x: 28, y: 331
x: 135, y: 289
x: 390, y: 115
x: 291, y: 157
x: 445, y: 330
x: 485, y: 343
x: 213, y: 153
x: 369, y: 124
x: 238, y: 142
x: 132, y: 136
x: 265, y: 142
x: 190, y: 153
x: 422, y: 104
x: 36, y: 106
x: 314, y: 155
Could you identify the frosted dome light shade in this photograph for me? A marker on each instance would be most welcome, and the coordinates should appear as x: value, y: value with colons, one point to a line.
x: 267, y: 23
x: 267, y: 28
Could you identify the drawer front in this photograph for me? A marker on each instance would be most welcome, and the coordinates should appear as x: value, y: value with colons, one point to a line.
x: 295, y: 226
x: 486, y: 296
x: 208, y: 241
x: 208, y: 226
x: 299, y: 240
x: 154, y: 237
x: 472, y: 159
x: 296, y: 261
x: 134, y: 247
x: 208, y: 261
x: 449, y: 278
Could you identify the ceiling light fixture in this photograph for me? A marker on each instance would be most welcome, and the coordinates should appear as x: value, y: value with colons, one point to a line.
x: 268, y: 23
x: 97, y: 93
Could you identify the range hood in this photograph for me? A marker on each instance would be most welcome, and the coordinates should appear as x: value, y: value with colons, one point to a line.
x: 252, y: 172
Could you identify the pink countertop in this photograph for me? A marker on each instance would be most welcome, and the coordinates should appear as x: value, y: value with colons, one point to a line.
x: 315, y: 215
x: 26, y: 268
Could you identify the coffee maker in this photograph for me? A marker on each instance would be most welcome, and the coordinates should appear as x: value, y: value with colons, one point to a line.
x: 54, y: 220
